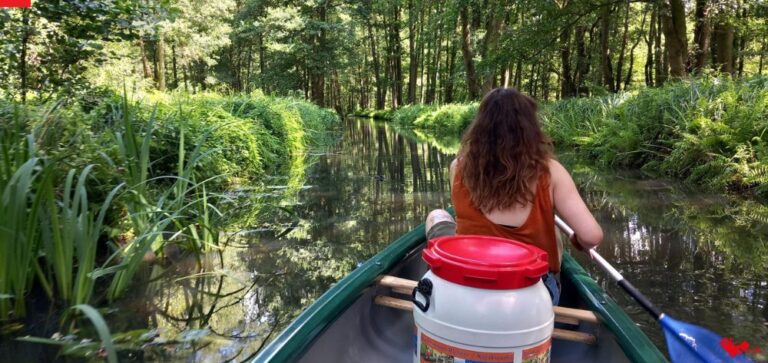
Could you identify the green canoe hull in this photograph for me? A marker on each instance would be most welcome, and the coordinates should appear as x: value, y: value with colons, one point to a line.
x: 329, y: 328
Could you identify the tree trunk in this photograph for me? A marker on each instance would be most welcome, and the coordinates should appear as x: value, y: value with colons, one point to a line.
x: 605, y: 50
x: 742, y: 41
x: 567, y: 87
x: 160, y: 59
x: 144, y: 61
x: 413, y: 63
x: 628, y: 78
x: 625, y: 35
x: 448, y: 89
x: 380, y: 98
x: 582, y: 63
x: 493, y: 31
x: 175, y: 69
x: 248, y: 68
x: 317, y: 68
x: 435, y: 68
x: 660, y: 75
x: 263, y: 63
x: 25, y: 35
x: 649, y: 42
x: 676, y: 43
x: 473, y: 88
x: 186, y: 79
x: 507, y: 74
x: 397, y: 90
x: 724, y: 33
x: 698, y: 59
x: 762, y: 59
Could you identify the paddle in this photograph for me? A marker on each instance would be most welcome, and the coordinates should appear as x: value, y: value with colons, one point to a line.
x: 685, y: 342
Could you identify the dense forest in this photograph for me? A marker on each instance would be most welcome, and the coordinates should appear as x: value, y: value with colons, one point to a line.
x: 353, y: 55
x: 135, y: 134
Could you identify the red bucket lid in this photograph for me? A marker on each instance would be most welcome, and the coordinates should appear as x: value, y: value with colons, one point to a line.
x: 486, y: 262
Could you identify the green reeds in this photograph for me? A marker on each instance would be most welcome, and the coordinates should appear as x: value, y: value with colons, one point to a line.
x: 20, y: 170
x: 19, y: 232
x: 154, y: 216
x: 71, y: 233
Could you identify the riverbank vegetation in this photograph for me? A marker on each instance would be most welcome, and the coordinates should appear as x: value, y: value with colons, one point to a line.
x: 90, y: 194
x: 132, y: 129
x: 708, y: 131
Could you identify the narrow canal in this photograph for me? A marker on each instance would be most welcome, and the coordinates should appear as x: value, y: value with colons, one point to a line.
x: 701, y: 258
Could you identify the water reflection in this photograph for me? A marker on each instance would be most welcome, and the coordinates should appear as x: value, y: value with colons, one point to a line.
x: 701, y: 258
x: 372, y: 187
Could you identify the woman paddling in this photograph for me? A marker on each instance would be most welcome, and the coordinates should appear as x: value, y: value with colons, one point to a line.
x: 506, y: 183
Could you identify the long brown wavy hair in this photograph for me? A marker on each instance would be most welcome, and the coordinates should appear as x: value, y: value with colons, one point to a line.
x: 504, y: 151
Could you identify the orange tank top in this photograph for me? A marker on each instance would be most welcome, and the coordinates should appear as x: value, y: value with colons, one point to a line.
x: 538, y: 229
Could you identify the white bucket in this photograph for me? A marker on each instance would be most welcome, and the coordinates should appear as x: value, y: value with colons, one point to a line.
x: 486, y: 303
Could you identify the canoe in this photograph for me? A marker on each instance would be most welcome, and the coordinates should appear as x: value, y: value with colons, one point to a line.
x: 346, y: 325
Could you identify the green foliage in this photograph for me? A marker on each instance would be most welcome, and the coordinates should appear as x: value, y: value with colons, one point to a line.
x: 447, y: 120
x: 709, y: 131
x: 376, y: 114
x: 54, y: 42
x: 129, y: 178
x: 407, y: 115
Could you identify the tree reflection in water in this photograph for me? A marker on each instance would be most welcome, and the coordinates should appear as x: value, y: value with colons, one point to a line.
x: 701, y: 258
x: 372, y: 187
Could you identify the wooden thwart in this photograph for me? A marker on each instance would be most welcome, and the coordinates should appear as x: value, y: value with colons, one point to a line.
x: 561, y: 334
x: 562, y: 314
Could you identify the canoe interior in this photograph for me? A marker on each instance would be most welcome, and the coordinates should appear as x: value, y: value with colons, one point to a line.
x: 366, y: 332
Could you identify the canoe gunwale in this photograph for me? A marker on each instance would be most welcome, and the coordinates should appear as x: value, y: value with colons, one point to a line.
x: 294, y: 339
x: 311, y: 322
x: 635, y: 344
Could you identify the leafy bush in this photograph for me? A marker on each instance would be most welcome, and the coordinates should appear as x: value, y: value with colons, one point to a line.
x: 376, y: 114
x: 709, y: 131
x: 133, y: 176
x: 446, y: 120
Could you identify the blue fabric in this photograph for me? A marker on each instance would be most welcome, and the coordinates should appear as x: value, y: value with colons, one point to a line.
x: 550, y: 281
x: 691, y: 343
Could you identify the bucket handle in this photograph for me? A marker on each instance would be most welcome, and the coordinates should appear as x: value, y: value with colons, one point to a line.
x: 425, y: 288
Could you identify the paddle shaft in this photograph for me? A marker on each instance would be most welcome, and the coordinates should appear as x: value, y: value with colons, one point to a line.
x: 616, y: 275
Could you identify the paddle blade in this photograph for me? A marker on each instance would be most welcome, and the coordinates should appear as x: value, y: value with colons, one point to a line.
x: 689, y: 343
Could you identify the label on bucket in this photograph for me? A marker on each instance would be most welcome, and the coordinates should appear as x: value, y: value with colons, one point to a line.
x: 433, y: 351
x: 538, y: 354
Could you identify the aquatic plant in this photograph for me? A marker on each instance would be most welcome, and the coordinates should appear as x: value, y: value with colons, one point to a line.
x: 89, y: 193
x: 20, y: 170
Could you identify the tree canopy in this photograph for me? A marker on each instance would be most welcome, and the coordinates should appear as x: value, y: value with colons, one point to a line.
x: 376, y: 54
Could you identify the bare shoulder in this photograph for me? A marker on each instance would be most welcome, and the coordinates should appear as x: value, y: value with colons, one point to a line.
x: 556, y: 170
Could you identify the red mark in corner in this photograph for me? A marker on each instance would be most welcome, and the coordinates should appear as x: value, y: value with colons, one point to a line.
x: 15, y: 3
x: 737, y: 349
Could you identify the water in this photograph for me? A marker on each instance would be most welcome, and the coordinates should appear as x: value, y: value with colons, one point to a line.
x: 700, y: 258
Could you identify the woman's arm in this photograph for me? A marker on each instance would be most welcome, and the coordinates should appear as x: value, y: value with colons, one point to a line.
x: 572, y: 208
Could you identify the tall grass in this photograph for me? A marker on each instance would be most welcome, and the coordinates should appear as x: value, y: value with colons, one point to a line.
x: 71, y: 230
x: 19, y: 232
x: 709, y: 131
x: 183, y: 208
x: 87, y: 195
